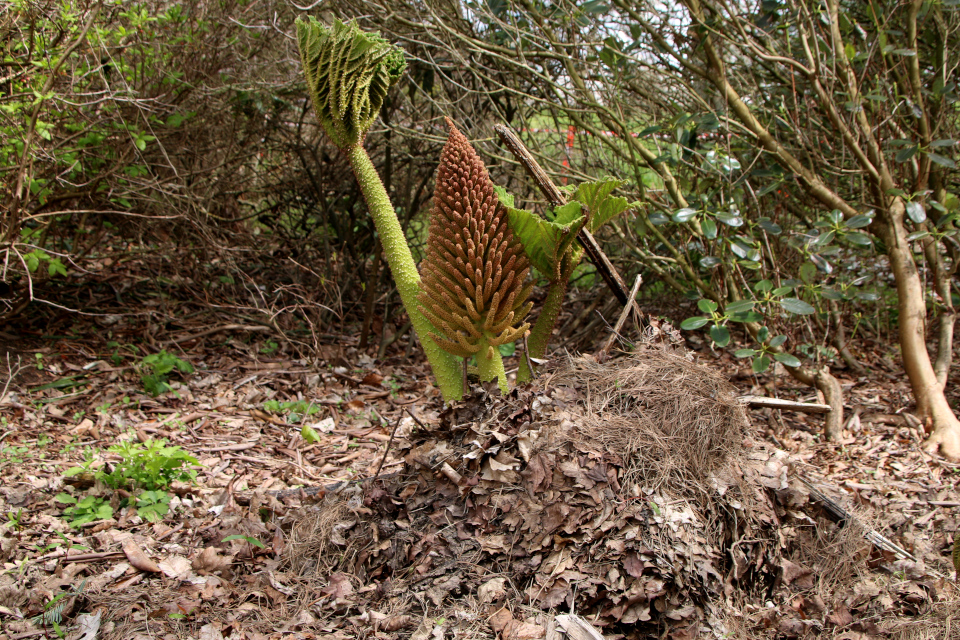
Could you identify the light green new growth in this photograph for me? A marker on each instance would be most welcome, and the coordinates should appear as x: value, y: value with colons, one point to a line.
x: 348, y: 74
x: 550, y: 246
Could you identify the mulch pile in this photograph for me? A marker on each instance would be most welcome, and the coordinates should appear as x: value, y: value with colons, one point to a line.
x: 623, y: 492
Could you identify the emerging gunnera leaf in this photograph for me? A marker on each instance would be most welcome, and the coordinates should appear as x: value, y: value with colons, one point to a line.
x: 348, y: 74
x: 473, y: 274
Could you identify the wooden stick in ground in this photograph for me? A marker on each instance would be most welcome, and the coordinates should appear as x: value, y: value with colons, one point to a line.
x: 631, y: 304
x: 555, y: 197
x: 787, y: 405
x: 386, y: 451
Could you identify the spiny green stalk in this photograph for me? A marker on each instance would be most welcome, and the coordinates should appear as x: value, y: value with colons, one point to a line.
x: 543, y: 328
x: 348, y: 74
x: 445, y: 366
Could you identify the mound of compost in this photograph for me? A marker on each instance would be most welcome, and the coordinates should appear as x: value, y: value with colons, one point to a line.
x: 623, y: 492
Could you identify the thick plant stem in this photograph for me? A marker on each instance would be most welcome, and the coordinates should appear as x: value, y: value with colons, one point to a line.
x: 543, y: 328
x: 492, y: 368
x: 404, y: 270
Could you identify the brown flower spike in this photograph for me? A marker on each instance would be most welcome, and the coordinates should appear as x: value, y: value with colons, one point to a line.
x: 474, y: 271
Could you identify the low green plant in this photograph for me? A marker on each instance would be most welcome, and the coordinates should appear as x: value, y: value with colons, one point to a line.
x: 153, y: 505
x: 151, y: 465
x: 155, y: 370
x: 84, y: 510
x: 295, y: 410
x: 249, y: 539
x: 269, y: 347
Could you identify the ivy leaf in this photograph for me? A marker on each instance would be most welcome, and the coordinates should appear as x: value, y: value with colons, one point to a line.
x: 787, y: 359
x: 348, y: 74
x: 694, y: 323
x: 797, y: 306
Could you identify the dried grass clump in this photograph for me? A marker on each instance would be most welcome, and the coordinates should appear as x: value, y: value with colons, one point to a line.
x: 315, y: 532
x: 673, y: 421
x: 940, y: 620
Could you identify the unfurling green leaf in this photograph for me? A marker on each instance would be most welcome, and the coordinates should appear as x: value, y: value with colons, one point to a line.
x: 545, y: 242
x: 348, y: 74
x: 602, y: 206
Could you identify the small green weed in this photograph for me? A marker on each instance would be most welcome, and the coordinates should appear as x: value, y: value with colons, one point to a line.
x: 86, y: 510
x: 269, y: 347
x: 156, y: 368
x: 296, y: 410
x: 151, y: 465
x: 153, y: 505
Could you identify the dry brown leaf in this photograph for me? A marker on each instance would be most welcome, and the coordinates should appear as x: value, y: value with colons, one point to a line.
x: 210, y: 560
x: 138, y: 558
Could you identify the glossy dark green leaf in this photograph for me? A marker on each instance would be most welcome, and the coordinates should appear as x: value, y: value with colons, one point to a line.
x: 706, y: 306
x: 730, y: 218
x: 787, y: 359
x: 657, y: 218
x: 709, y: 227
x: 761, y: 364
x: 770, y: 226
x: 859, y: 239
x: 720, y: 335
x: 916, y: 212
x: 942, y: 160
x: 709, y: 262
x: 907, y: 152
x: 797, y: 306
x: 763, y: 334
x: 684, y: 215
x: 739, y: 305
x: 746, y: 316
x: 694, y: 323
x: 776, y: 341
x: 859, y: 222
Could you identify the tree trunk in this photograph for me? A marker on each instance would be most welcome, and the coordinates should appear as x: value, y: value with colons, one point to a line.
x: 932, y: 405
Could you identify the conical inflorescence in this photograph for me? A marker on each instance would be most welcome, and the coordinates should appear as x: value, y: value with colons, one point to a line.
x: 474, y: 272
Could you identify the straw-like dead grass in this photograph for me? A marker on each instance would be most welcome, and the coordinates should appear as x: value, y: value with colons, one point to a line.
x: 673, y: 421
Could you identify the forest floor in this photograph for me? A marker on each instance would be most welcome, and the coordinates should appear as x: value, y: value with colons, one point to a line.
x: 197, y: 559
